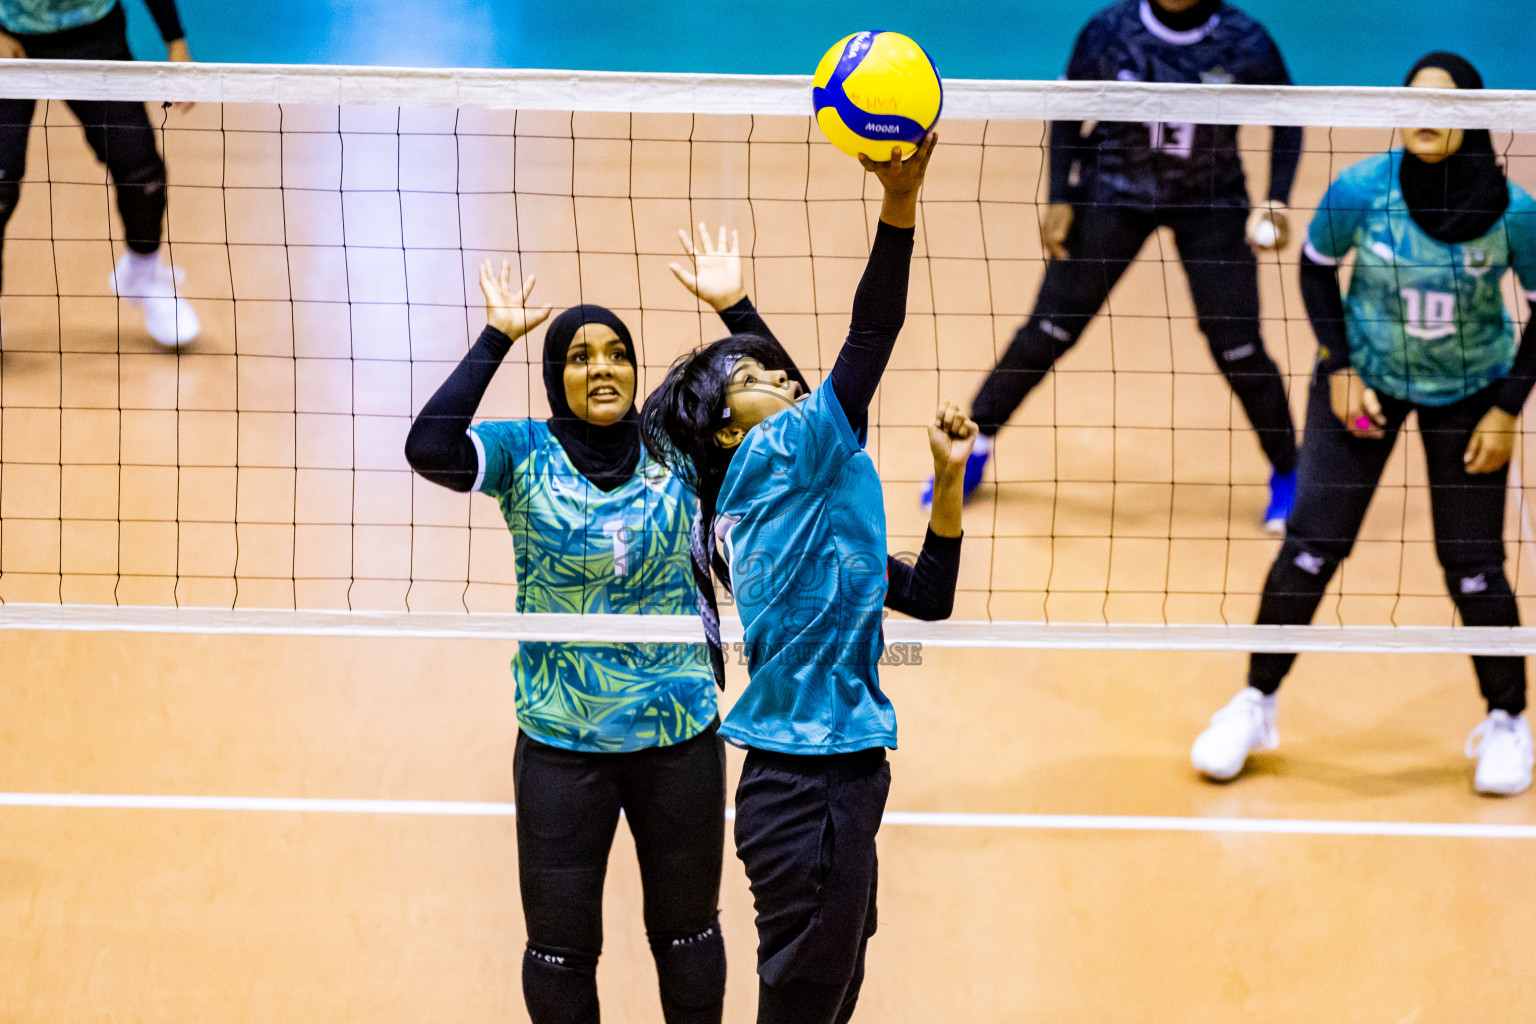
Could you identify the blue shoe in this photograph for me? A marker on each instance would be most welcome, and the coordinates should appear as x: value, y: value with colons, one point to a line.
x: 975, y: 467
x: 1282, y: 497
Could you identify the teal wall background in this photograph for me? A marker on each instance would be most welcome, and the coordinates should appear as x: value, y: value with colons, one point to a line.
x: 1326, y: 42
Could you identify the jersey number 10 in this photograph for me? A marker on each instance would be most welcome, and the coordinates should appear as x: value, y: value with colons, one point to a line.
x: 1176, y: 138
x: 1428, y: 315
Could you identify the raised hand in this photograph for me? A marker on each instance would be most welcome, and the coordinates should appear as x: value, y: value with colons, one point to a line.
x: 505, y: 302
x: 717, y: 269
x: 902, y: 180
x: 951, y: 436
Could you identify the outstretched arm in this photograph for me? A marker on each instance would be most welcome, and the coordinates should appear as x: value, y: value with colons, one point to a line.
x: 926, y: 589
x: 880, y: 304
x: 438, y: 446
x: 716, y: 279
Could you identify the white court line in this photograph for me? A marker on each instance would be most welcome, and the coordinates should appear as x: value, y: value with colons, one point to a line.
x: 926, y: 819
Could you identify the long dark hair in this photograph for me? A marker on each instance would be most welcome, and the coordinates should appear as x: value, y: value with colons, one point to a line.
x: 678, y: 425
x: 679, y: 419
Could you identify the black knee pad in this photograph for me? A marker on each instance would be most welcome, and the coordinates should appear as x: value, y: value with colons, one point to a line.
x: 560, y: 987
x: 1303, y: 568
x: 691, y: 970
x: 1242, y: 358
x: 1482, y: 594
x: 147, y: 175
x: 1055, y: 333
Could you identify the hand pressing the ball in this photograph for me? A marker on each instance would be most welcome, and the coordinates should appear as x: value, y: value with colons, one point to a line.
x: 902, y: 180
x: 951, y: 436
x: 717, y: 269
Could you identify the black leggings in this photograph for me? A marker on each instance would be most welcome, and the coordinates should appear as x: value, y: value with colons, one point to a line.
x: 1336, y: 479
x: 1223, y: 280
x: 805, y: 831
x: 568, y: 805
x: 118, y: 133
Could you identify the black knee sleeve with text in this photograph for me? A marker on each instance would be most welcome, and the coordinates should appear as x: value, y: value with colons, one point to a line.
x: 1292, y: 593
x: 691, y: 972
x: 560, y: 987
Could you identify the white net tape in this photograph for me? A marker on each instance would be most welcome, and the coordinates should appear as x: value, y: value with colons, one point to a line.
x: 762, y: 96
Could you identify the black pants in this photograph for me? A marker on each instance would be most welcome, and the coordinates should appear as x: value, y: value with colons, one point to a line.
x: 118, y: 133
x: 805, y: 830
x: 568, y: 807
x: 1223, y: 280
x: 1336, y: 479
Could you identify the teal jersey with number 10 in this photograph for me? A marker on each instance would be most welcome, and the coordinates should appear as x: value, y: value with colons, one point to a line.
x: 1426, y: 319
x: 584, y: 550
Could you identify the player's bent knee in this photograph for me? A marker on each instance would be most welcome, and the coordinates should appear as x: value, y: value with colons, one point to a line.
x: 1306, y: 564
x: 691, y: 968
x: 1473, y: 581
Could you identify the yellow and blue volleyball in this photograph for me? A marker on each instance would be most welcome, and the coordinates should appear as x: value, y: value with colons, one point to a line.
x: 876, y: 89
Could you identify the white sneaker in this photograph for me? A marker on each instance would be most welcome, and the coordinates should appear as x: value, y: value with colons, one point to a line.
x: 1502, y: 746
x: 1246, y: 724
x: 146, y: 281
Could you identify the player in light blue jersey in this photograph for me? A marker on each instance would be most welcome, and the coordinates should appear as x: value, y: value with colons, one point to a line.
x: 120, y: 135
x: 793, y: 520
x: 1433, y: 228
x: 598, y: 527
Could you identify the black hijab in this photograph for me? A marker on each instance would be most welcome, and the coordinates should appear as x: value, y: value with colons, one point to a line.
x: 607, y: 456
x: 1463, y: 196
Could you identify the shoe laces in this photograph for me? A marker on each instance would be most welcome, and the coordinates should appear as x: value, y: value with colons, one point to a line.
x: 1490, y: 730
x: 1252, y: 711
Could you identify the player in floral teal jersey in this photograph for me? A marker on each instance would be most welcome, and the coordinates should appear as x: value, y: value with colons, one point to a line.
x: 604, y: 728
x: 581, y: 549
x: 1433, y: 228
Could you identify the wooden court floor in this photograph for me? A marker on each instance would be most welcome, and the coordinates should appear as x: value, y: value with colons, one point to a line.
x: 262, y: 468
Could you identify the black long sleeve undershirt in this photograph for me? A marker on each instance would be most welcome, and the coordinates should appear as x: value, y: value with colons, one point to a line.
x: 743, y: 318
x: 1516, y: 387
x: 926, y: 588
x: 1067, y: 150
x: 438, y: 446
x: 166, y: 19
x: 1284, y: 155
x: 1325, y: 309
x: 879, y: 310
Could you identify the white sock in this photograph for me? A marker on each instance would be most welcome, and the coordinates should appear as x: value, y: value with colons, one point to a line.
x: 142, y: 262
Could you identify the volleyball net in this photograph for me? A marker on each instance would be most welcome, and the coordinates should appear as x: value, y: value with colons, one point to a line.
x: 329, y: 222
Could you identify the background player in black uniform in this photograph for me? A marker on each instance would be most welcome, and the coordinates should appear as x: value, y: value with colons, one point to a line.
x: 1113, y: 186
x: 119, y: 134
